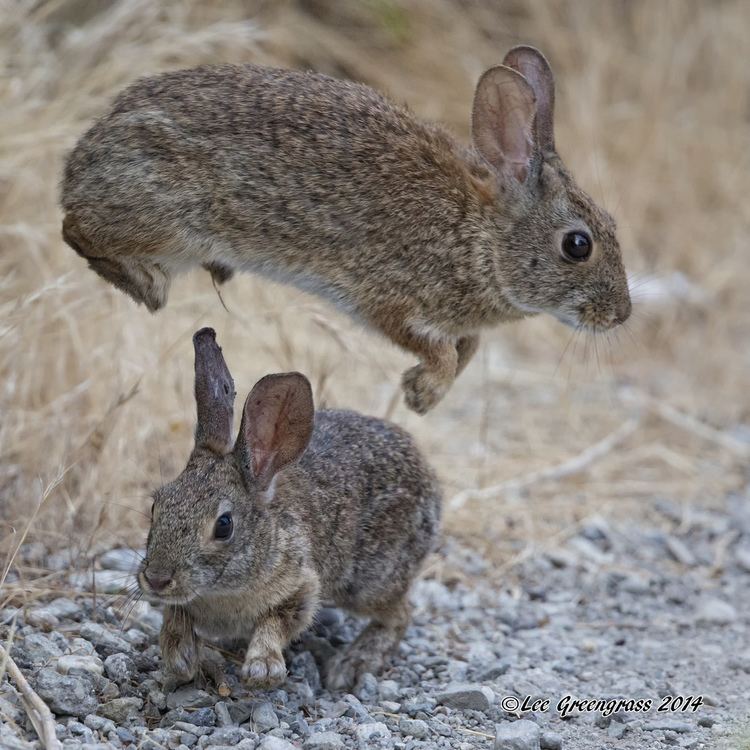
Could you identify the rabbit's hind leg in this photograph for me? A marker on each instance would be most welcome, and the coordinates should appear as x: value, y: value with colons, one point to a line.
x: 145, y: 280
x: 372, y: 649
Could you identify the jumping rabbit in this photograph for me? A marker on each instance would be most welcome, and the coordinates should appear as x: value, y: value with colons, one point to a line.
x: 307, y: 506
x: 326, y: 185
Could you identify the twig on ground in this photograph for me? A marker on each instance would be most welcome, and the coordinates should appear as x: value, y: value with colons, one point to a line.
x: 38, y: 711
x: 687, y: 422
x: 559, y: 471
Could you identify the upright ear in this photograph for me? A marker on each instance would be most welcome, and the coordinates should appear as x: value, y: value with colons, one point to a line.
x: 277, y: 423
x: 214, y: 394
x: 502, y: 123
x: 533, y: 66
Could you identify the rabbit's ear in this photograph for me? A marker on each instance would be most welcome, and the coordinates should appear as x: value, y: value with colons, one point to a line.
x: 533, y: 66
x: 277, y: 423
x: 214, y: 394
x: 502, y: 122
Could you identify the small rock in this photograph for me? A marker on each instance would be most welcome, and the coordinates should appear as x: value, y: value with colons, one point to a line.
x: 105, y: 641
x: 413, y: 728
x: 36, y: 649
x: 550, y: 741
x: 715, y: 612
x: 42, y: 618
x: 498, y: 669
x: 742, y: 553
x: 99, y: 724
x: 119, y: 667
x: 269, y: 742
x: 740, y: 661
x: 680, y: 551
x: 120, y: 710
x: 517, y: 735
x: 367, y: 688
x: 122, y: 559
x: 264, y: 718
x: 304, y: 664
x: 466, y: 696
x: 372, y: 730
x: 66, y: 694
x: 240, y: 711
x: 103, y: 581
x: 441, y: 728
x: 616, y: 731
x: 201, y: 717
x: 63, y: 608
x: 223, y: 716
x: 84, y: 662
x: 706, y: 721
x: 189, y: 697
x: 225, y: 736
x: 324, y: 741
x: 668, y: 725
x: 389, y: 690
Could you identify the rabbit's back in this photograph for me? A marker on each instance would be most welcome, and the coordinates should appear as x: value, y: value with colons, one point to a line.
x: 374, y: 512
x: 260, y: 164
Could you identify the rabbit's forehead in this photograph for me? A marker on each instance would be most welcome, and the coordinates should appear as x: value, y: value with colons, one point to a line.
x: 209, y: 485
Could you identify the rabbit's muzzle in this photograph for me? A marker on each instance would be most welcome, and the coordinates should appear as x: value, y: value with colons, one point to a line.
x: 156, y: 582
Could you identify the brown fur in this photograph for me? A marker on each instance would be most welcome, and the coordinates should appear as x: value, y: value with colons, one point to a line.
x: 347, y: 518
x: 326, y: 185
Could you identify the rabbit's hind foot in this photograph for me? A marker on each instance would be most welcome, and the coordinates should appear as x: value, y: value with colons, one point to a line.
x: 371, y: 651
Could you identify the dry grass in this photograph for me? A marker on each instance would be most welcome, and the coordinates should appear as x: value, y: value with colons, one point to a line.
x: 652, y: 116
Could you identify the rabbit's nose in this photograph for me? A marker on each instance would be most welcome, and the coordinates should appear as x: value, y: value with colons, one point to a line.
x: 623, y: 312
x: 158, y: 581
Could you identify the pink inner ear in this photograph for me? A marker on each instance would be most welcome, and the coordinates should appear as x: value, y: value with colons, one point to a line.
x: 262, y: 461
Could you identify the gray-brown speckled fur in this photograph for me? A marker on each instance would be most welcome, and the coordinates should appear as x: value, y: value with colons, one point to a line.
x: 327, y: 185
x: 349, y: 521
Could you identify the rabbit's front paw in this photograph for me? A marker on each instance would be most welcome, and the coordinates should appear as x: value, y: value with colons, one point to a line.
x: 423, y: 388
x: 181, y: 658
x: 264, y: 671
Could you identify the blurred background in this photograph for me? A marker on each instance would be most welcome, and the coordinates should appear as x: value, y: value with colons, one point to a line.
x: 545, y: 430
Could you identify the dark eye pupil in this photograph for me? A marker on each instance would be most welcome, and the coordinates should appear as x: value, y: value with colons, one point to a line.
x: 577, y: 245
x: 224, y: 525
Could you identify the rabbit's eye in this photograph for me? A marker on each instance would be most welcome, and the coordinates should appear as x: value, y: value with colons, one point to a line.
x: 576, y: 246
x: 224, y: 526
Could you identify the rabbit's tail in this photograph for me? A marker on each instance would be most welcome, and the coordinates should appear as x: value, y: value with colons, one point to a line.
x: 145, y: 280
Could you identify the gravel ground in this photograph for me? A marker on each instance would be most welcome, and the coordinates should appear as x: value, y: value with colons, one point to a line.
x: 618, y: 611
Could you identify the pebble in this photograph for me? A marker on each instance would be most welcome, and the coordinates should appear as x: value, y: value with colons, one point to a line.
x: 517, y: 735
x: 372, y: 731
x: 71, y: 695
x: 742, y: 555
x: 122, y: 559
x: 463, y: 696
x: 413, y: 728
x: 189, y: 697
x: 715, y: 612
x: 224, y: 736
x: 119, y: 667
x: 201, y: 717
x: 324, y: 741
x: 668, y: 725
x: 84, y: 662
x: 269, y: 742
x: 388, y: 690
x: 367, y: 688
x: 680, y: 551
x: 264, y: 718
x: 36, y: 649
x: 120, y: 710
x: 550, y: 741
x: 104, y: 640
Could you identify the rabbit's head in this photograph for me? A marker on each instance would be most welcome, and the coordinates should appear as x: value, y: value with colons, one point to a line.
x: 560, y: 253
x: 209, y: 527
